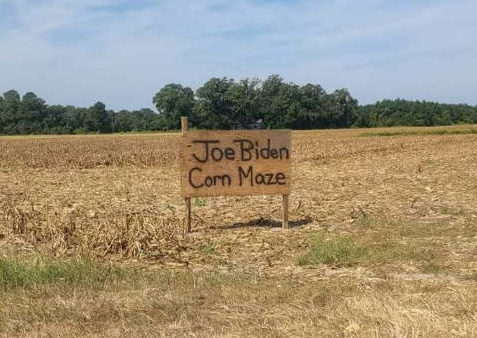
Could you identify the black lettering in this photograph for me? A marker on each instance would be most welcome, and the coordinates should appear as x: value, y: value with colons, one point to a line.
x: 273, y: 153
x: 260, y: 179
x: 269, y: 180
x: 280, y: 178
x: 284, y: 151
x: 229, y: 153
x: 267, y: 151
x: 245, y: 152
x: 206, y: 149
x: 209, y: 181
x: 214, y: 151
x: 223, y: 179
x: 242, y: 175
x: 190, y: 178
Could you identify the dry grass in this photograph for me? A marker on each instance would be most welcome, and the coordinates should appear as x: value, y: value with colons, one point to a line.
x: 397, y: 216
x: 177, y: 304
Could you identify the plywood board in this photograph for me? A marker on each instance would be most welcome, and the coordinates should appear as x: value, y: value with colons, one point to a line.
x: 238, y: 162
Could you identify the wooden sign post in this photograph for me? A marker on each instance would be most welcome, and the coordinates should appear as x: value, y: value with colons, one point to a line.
x: 185, y: 127
x: 235, y: 163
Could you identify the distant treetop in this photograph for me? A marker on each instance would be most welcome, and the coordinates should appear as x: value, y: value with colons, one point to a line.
x: 223, y: 103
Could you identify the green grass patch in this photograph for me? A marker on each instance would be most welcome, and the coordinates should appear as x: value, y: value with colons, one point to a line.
x: 199, y: 202
x: 338, y: 252
x: 208, y: 249
x: 15, y: 273
x: 379, y: 243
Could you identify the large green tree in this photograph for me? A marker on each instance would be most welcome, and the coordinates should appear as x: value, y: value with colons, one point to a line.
x: 1, y: 113
x: 172, y: 102
x: 31, y: 114
x: 10, y: 112
x: 343, y: 109
x: 55, y: 121
x: 97, y: 119
x: 244, y: 100
x: 213, y: 109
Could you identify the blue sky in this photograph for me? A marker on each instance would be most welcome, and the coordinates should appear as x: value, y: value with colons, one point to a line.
x: 122, y: 52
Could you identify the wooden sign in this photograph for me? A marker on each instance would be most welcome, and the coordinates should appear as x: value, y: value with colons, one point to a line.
x: 235, y: 163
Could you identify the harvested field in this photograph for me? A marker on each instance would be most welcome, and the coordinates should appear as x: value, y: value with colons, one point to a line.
x: 383, y: 239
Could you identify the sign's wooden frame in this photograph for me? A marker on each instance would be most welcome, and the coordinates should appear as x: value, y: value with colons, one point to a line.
x: 285, y: 201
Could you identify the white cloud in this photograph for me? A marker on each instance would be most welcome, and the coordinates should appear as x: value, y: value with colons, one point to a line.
x: 69, y: 53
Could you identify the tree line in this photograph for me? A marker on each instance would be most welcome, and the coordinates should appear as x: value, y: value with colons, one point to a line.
x: 223, y: 103
x: 30, y: 114
x: 400, y: 112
